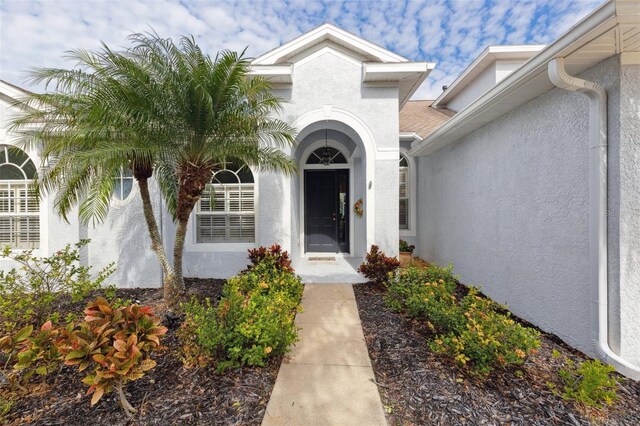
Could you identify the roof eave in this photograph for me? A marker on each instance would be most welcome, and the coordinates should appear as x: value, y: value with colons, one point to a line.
x: 482, y: 62
x: 601, y: 20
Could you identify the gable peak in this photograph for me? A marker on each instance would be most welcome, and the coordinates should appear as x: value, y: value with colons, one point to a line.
x: 328, y: 32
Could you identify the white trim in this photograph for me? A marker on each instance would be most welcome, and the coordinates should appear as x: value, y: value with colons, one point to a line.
x: 349, y: 166
x: 413, y: 195
x: 276, y: 74
x: 482, y: 62
x: 190, y: 244
x: 488, y: 106
x: 331, y: 32
x: 410, y: 137
x: 327, y: 48
x: 369, y: 144
x: 117, y: 203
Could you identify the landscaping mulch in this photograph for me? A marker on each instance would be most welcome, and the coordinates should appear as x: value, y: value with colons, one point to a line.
x: 421, y: 388
x: 168, y: 394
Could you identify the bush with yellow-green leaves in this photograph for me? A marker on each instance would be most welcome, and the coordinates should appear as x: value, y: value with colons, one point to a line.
x: 473, y: 330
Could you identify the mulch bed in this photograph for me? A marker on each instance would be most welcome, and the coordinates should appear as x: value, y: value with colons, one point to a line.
x: 421, y: 388
x: 169, y: 394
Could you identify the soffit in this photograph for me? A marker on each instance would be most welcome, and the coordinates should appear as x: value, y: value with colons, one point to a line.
x: 598, y: 37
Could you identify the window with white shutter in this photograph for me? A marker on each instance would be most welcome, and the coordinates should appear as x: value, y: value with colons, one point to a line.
x: 19, y: 205
x: 226, y: 210
x: 404, y: 192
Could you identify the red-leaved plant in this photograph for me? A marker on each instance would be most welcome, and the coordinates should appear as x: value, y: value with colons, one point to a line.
x: 116, y: 344
x: 378, y: 266
x: 274, y: 254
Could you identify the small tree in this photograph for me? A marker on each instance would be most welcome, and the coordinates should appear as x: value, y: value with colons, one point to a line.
x: 162, y: 109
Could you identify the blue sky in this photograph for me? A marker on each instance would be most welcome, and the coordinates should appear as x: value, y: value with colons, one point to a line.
x: 449, y: 32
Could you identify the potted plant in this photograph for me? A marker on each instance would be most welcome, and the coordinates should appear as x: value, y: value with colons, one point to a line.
x: 406, y: 253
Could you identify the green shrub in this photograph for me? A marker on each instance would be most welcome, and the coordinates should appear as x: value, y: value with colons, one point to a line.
x: 378, y: 267
x: 253, y: 322
x: 473, y: 330
x: 428, y: 294
x: 28, y: 293
x: 589, y: 382
x: 487, y: 339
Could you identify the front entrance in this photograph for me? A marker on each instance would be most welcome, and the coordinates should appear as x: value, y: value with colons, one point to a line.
x: 326, y: 211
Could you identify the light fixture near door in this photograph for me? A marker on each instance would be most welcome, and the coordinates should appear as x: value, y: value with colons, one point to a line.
x: 326, y: 158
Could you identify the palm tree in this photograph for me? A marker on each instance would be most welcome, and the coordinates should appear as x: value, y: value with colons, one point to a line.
x: 163, y: 110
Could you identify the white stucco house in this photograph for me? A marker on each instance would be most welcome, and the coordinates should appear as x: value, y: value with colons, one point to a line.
x: 524, y: 172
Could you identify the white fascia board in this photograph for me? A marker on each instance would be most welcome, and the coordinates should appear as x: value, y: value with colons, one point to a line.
x: 328, y: 31
x: 486, y: 58
x: 279, y: 74
x: 410, y: 136
x: 408, y: 75
x: 379, y: 72
x: 601, y: 20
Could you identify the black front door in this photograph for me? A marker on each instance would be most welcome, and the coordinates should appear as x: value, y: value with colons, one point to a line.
x: 326, y: 194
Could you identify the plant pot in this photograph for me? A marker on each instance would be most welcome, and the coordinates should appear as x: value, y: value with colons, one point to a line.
x: 405, y: 258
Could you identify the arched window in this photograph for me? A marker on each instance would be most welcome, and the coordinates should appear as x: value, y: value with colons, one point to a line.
x: 404, y: 192
x: 19, y: 205
x: 326, y: 155
x: 226, y: 210
x: 122, y: 184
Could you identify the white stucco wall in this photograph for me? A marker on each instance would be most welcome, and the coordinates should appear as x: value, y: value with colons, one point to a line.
x: 328, y: 81
x: 508, y: 205
x: 624, y: 217
x: 123, y: 238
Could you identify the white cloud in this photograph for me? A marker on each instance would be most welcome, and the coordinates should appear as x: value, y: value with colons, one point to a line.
x: 449, y: 32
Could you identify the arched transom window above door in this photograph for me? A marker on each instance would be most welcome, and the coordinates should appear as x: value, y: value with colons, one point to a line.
x: 326, y: 155
x: 19, y: 204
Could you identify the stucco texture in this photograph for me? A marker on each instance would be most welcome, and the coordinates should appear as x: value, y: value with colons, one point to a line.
x: 509, y: 205
x: 624, y: 217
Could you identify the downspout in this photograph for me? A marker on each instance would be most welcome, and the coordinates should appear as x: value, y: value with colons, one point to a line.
x: 598, y: 205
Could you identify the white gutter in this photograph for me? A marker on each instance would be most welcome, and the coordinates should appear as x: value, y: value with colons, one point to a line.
x: 602, y: 19
x: 598, y: 206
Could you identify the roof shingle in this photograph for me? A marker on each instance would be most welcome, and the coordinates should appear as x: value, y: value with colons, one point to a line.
x: 421, y: 118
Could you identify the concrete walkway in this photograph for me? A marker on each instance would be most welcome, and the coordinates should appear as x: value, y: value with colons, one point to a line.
x: 326, y: 379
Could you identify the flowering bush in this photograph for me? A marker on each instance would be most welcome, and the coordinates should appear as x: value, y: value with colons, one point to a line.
x: 254, y: 320
x: 378, y: 267
x: 488, y: 339
x: 474, y: 330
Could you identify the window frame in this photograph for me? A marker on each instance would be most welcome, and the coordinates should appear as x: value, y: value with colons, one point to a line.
x: 192, y: 244
x: 18, y: 202
x: 412, y: 198
x: 117, y: 202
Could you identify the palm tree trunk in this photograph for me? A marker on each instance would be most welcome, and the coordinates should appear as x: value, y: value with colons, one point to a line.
x: 152, y: 225
x: 192, y: 178
x: 168, y: 283
x: 178, y: 250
